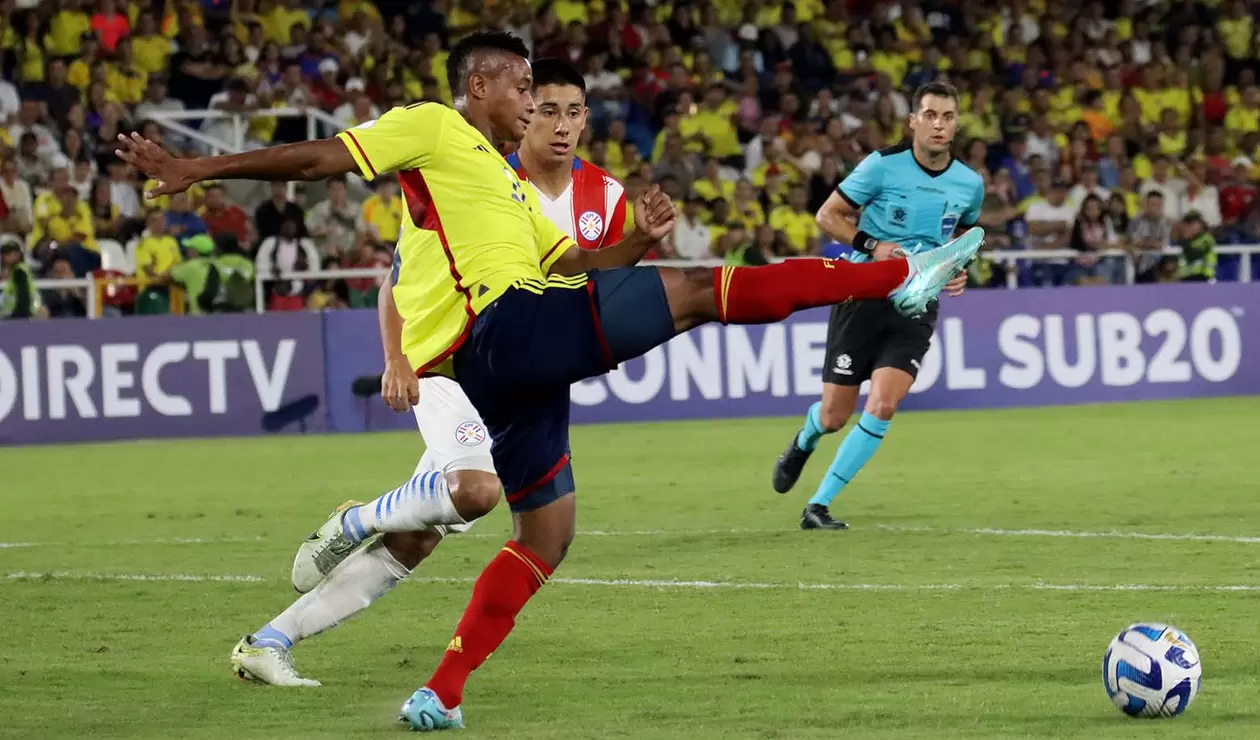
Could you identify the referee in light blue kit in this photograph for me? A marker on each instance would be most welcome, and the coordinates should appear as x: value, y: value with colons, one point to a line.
x: 912, y: 197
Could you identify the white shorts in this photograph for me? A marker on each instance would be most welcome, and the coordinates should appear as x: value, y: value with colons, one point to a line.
x: 454, y: 437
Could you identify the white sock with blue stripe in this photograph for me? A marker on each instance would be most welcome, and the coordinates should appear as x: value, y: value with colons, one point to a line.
x: 420, y: 503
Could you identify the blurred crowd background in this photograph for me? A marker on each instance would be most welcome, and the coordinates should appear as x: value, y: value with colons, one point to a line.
x: 1130, y: 124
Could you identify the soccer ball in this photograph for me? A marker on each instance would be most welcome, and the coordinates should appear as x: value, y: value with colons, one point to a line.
x: 1152, y: 670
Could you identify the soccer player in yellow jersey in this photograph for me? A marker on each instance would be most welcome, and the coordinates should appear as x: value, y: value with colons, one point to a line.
x: 491, y: 293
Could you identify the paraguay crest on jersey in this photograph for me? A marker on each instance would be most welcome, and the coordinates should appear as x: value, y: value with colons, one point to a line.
x: 592, y: 210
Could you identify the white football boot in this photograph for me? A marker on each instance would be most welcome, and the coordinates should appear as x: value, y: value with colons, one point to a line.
x: 269, y: 665
x: 324, y: 550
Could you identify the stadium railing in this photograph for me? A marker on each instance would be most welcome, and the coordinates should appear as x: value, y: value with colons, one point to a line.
x: 176, y: 123
x: 1006, y: 257
x: 98, y: 290
x: 95, y: 290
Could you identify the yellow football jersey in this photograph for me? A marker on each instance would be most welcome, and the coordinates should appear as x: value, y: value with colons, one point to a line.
x: 472, y: 229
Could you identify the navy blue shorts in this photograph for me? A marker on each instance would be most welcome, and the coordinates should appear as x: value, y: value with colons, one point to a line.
x: 530, y: 345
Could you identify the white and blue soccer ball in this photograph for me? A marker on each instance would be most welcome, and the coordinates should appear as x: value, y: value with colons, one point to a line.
x: 1152, y: 670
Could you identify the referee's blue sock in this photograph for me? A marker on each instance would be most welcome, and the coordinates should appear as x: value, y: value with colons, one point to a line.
x: 857, y: 447
x: 807, y: 440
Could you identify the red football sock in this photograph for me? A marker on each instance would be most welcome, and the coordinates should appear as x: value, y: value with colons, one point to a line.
x: 500, y: 593
x: 768, y: 293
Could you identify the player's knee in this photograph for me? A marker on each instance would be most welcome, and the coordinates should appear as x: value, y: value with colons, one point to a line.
x: 475, y: 493
x: 698, y: 279
x: 690, y: 295
x: 551, y: 549
x: 410, y: 548
x: 831, y: 417
x: 836, y: 409
x: 881, y: 406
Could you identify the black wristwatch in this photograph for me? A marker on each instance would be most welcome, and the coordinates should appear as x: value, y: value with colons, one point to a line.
x: 864, y: 242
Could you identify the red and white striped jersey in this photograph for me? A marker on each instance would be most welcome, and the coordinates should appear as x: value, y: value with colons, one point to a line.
x: 592, y: 209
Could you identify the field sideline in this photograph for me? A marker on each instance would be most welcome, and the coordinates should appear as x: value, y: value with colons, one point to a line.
x: 993, y: 556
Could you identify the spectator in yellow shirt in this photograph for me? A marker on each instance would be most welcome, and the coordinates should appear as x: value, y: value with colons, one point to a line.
x: 568, y: 11
x: 80, y: 71
x: 381, y: 214
x: 66, y: 30
x: 1150, y: 94
x: 1235, y: 31
x: 30, y: 52
x: 980, y: 121
x: 157, y: 251
x: 278, y: 24
x: 149, y: 48
x: 745, y: 206
x: 888, y: 59
x: 1244, y: 118
x: 692, y: 140
x: 70, y: 223
x: 797, y: 224
x: 348, y: 9
x: 713, y: 121
x: 711, y: 186
x: 48, y: 202
x: 1171, y: 134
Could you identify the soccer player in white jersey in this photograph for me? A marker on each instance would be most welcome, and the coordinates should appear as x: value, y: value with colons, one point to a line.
x: 590, y: 206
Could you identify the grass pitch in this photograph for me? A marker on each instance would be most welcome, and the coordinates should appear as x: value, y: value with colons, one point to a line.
x: 993, y: 557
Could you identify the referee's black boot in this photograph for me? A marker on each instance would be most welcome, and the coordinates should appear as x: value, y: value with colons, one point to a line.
x: 816, y: 516
x: 787, y: 470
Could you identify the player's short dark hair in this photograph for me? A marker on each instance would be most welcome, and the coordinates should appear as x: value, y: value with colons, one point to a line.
x: 459, y: 63
x: 938, y: 89
x: 553, y: 71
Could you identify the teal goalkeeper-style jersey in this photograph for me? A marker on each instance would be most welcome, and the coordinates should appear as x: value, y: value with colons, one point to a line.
x: 905, y: 203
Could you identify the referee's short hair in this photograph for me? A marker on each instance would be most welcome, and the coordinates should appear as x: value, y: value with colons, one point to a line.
x: 937, y: 89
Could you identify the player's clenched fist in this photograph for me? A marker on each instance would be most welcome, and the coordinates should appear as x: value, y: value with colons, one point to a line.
x: 399, y: 385
x: 654, y: 213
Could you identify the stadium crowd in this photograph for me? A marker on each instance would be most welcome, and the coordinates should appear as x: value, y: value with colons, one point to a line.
x: 1129, y: 124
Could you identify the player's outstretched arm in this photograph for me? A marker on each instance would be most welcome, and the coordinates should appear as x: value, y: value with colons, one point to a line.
x: 307, y: 160
x: 654, y: 218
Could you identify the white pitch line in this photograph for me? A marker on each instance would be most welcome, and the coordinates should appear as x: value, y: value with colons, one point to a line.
x: 687, y: 585
x: 891, y: 529
x: 1108, y: 534
x: 155, y: 577
x: 132, y: 543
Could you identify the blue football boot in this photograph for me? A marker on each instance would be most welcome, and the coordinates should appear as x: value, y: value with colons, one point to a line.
x: 931, y: 271
x: 424, y: 713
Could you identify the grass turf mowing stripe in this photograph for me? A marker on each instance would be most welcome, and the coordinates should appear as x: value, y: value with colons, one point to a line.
x: 664, y: 584
x: 981, y: 531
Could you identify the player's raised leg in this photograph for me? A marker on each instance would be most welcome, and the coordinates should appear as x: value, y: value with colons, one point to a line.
x: 752, y: 295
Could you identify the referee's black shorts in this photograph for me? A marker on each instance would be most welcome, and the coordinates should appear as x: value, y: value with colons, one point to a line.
x: 863, y: 336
